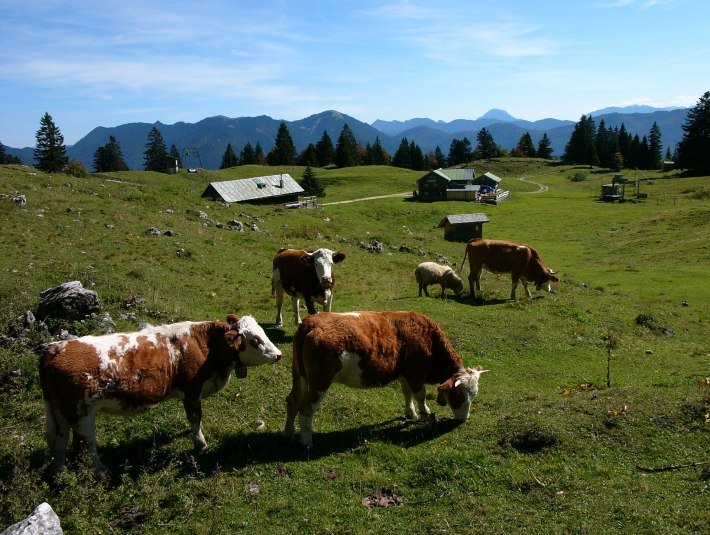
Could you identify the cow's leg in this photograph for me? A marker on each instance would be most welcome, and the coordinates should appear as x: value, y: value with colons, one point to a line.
x: 310, y: 305
x: 279, y: 294
x: 57, y: 435
x: 515, y: 278
x: 426, y: 289
x: 293, y: 403
x: 193, y: 411
x: 420, y: 398
x: 525, y: 285
x: 328, y: 303
x: 85, y: 435
x: 296, y: 312
x: 309, y: 405
x: 410, y: 413
x: 421, y: 287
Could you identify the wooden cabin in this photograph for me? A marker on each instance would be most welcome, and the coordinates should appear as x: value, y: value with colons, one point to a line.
x: 463, y: 227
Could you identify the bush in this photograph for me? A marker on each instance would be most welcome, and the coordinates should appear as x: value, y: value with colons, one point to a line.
x: 76, y: 169
x: 578, y: 177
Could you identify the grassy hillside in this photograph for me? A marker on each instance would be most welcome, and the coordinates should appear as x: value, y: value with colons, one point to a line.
x: 549, y: 448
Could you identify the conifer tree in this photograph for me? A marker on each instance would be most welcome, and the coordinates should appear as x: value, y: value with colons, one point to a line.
x: 284, y: 151
x: 376, y: 154
x: 403, y: 156
x: 175, y: 153
x: 416, y: 156
x: 346, y: 149
x: 248, y: 155
x: 580, y: 148
x: 308, y: 156
x: 6, y: 158
x: 311, y: 183
x: 436, y: 158
x: 155, y: 151
x: 50, y: 152
x: 486, y: 147
x: 525, y: 147
x: 694, y: 149
x: 459, y: 152
x: 229, y: 159
x: 109, y: 157
x: 544, y: 147
x: 325, y: 151
x: 259, y: 154
x: 655, y: 147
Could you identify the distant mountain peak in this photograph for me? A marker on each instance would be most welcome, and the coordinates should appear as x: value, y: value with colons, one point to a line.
x: 498, y: 115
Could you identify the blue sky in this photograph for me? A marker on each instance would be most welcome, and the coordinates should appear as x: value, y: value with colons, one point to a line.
x: 107, y: 63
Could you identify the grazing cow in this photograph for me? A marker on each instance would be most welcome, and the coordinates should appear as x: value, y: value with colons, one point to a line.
x: 372, y: 349
x: 428, y: 273
x: 497, y: 256
x: 304, y: 275
x: 126, y: 373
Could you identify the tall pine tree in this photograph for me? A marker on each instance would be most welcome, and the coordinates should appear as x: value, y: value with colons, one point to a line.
x: 229, y: 159
x: 694, y: 149
x: 655, y: 147
x: 284, y: 151
x: 50, y: 152
x: 248, y: 155
x: 486, y: 147
x: 325, y: 151
x: 155, y: 151
x: 109, y: 158
x: 347, y: 153
x: 311, y: 183
x: 544, y: 147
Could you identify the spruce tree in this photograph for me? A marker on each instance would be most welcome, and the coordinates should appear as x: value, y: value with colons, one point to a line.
x: 311, y: 183
x: 308, y: 156
x: 655, y: 147
x: 486, y: 147
x: 346, y: 149
x: 325, y: 151
x: 581, y: 148
x: 525, y: 147
x: 229, y: 159
x: 155, y: 151
x: 694, y: 149
x: 175, y: 153
x: 6, y: 158
x: 259, y: 154
x: 459, y: 152
x: 544, y: 147
x: 50, y: 152
x: 403, y: 156
x: 248, y: 155
x: 109, y: 158
x: 284, y: 151
x: 416, y: 156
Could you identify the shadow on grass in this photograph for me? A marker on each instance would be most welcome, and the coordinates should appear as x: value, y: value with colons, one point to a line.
x: 156, y: 453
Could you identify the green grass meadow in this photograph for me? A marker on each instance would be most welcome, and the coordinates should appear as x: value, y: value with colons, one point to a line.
x: 549, y: 447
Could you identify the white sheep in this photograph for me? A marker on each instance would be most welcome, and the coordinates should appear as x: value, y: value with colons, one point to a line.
x: 428, y: 273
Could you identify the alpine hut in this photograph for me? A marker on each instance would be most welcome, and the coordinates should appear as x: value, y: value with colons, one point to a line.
x: 270, y: 189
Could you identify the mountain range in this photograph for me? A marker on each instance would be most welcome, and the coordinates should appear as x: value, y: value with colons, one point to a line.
x: 211, y: 135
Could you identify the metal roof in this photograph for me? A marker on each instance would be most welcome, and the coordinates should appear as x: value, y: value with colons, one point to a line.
x: 458, y: 219
x: 250, y: 189
x: 456, y: 174
x: 492, y: 177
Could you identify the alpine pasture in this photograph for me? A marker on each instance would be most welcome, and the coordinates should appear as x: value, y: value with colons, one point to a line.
x: 588, y: 422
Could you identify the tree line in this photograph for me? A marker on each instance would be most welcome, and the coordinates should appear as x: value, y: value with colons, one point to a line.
x: 589, y: 144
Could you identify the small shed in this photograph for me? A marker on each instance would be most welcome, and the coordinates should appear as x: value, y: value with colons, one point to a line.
x: 270, y: 189
x: 463, y: 227
x: 487, y: 180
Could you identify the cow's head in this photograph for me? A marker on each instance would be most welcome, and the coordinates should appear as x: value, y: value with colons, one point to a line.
x: 249, y: 339
x: 548, y: 276
x: 322, y: 260
x: 459, y: 390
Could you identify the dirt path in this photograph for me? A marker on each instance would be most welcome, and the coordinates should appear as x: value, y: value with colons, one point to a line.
x: 404, y: 194
x: 541, y: 187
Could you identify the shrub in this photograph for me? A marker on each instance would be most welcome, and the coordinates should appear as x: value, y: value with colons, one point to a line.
x: 578, y: 177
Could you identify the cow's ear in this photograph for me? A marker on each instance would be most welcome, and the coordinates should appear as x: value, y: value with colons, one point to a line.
x: 233, y: 338
x: 338, y: 257
x: 442, y: 390
x: 232, y: 319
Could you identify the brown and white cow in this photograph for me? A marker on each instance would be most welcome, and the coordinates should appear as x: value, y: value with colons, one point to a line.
x: 373, y: 349
x: 498, y: 256
x: 304, y: 275
x: 127, y: 373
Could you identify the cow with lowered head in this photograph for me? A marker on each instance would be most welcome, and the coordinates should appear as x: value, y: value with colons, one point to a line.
x: 498, y: 256
x: 127, y: 373
x: 306, y: 275
x: 373, y: 349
